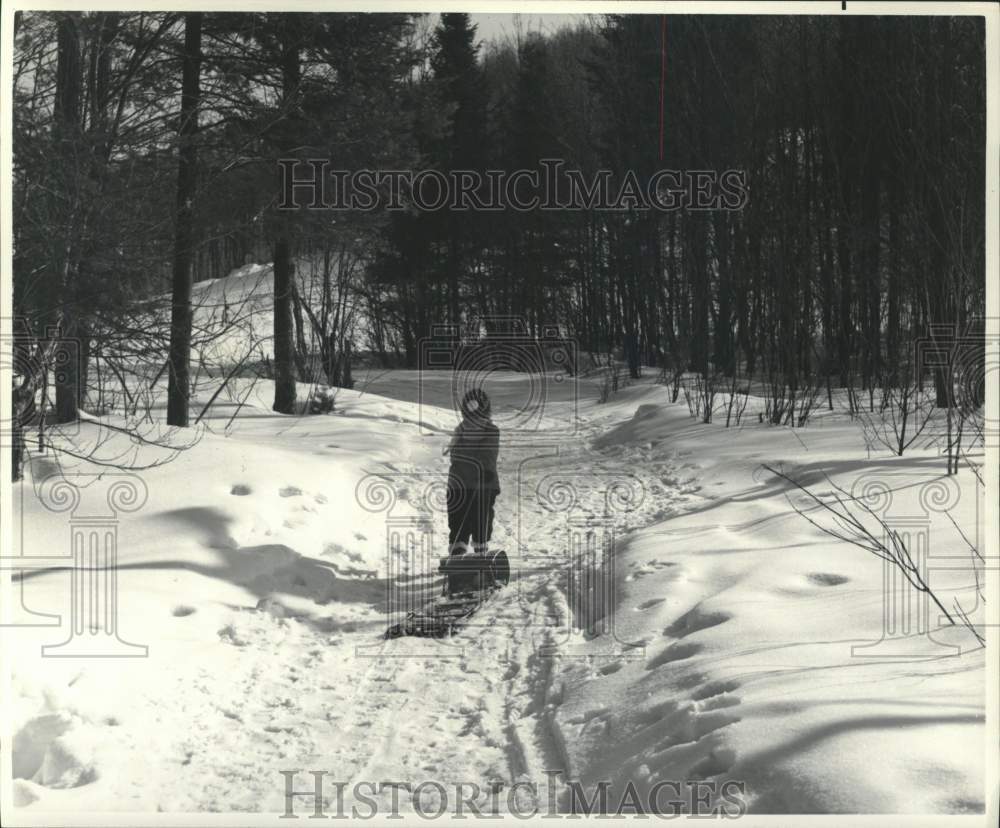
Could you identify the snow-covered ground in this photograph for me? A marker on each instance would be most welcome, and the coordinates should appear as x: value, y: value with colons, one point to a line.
x: 257, y: 574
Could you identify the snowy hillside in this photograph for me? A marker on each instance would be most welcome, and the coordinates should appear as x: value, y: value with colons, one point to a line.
x: 234, y: 316
x: 257, y: 575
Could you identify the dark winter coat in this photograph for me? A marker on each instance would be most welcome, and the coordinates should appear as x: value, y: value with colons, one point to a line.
x: 474, y: 448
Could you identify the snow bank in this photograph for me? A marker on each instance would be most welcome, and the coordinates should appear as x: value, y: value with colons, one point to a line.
x: 748, y: 616
x: 258, y: 580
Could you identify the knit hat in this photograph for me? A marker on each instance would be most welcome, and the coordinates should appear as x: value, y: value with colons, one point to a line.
x: 476, y: 403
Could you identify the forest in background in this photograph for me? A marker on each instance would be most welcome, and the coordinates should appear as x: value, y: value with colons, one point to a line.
x: 145, y: 161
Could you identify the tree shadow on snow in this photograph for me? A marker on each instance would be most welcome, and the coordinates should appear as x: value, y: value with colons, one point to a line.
x: 271, y: 569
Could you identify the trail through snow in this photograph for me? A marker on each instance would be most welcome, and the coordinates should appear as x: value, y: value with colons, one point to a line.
x: 261, y: 582
x: 476, y: 707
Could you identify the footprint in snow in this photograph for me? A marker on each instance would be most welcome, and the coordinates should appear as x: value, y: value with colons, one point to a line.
x: 694, y: 728
x: 717, y: 762
x: 652, y: 602
x: 695, y: 620
x: 719, y: 702
x: 676, y: 652
x: 715, y: 688
x: 290, y: 491
x: 639, y: 573
x: 182, y: 611
x: 657, y: 712
x: 648, y: 568
x: 240, y: 490
x: 689, y: 681
x: 827, y: 578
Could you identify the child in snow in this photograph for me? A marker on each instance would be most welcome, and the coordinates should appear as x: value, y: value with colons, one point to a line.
x: 473, y: 484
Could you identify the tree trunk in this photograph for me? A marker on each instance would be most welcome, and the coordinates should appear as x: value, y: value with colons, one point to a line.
x: 179, y: 383
x: 846, y: 150
x: 66, y: 118
x: 18, y: 405
x: 284, y: 351
x: 284, y: 268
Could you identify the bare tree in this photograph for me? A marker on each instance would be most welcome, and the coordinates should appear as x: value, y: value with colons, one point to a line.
x: 67, y: 131
x: 179, y: 387
x: 850, y: 515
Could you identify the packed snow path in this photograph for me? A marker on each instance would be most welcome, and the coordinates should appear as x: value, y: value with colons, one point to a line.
x: 472, y: 708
